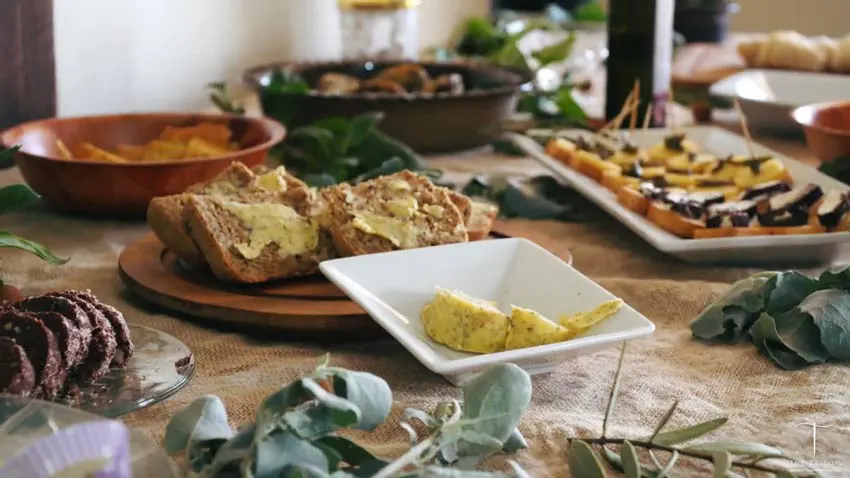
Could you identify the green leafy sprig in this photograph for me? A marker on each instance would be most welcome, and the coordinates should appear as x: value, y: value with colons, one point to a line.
x: 794, y: 320
x: 729, y: 458
x: 17, y: 197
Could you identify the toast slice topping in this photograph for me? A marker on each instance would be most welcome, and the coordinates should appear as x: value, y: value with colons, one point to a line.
x: 273, y: 223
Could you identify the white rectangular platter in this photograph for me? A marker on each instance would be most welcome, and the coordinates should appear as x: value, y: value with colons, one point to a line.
x: 815, y: 249
x: 767, y: 97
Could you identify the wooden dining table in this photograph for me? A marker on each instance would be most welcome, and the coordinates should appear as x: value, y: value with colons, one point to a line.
x: 763, y: 403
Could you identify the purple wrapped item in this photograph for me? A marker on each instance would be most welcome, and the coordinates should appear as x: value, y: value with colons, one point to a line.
x: 99, y: 449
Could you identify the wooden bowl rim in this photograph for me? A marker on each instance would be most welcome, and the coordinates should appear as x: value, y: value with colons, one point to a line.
x: 275, y: 130
x: 816, y: 108
x: 514, y: 80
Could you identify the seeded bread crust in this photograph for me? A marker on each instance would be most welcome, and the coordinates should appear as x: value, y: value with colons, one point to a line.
x: 236, y: 176
x: 481, y: 221
x: 217, y: 232
x: 165, y: 217
x: 343, y: 201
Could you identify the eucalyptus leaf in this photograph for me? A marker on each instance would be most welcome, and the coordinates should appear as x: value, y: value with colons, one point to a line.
x: 631, y: 464
x: 16, y: 197
x: 515, y: 442
x: 7, y: 239
x: 798, y: 332
x: 786, y: 290
x: 583, y: 461
x: 352, y: 453
x: 830, y: 311
x: 425, y: 418
x: 722, y: 464
x: 272, y: 410
x: 767, y: 341
x: 731, y: 315
x: 369, y: 393
x: 202, y: 420
x: 836, y: 277
x: 682, y: 435
x: 441, y: 472
x: 493, y: 403
x: 283, y: 450
x: 323, y: 415
x: 231, y: 454
x: 734, y: 448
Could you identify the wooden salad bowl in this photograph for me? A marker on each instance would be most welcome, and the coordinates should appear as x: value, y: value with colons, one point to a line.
x: 123, y: 190
x: 827, y: 128
x: 434, y: 123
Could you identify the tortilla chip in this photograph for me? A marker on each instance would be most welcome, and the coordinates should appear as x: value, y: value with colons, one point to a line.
x: 97, y: 154
x: 159, y: 150
x: 217, y: 134
x: 199, y: 148
x: 133, y: 153
x: 64, y: 152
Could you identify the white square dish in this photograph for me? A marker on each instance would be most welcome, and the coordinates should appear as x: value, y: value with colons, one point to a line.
x: 393, y: 287
x: 768, y: 96
x: 815, y: 249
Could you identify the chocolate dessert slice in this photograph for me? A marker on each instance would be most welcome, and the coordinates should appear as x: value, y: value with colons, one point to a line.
x: 125, y: 347
x: 41, y: 349
x: 17, y: 376
x: 68, y: 337
x: 102, y: 344
x: 68, y: 309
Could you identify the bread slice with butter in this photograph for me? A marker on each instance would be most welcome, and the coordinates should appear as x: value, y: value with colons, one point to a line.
x: 166, y: 214
x: 258, y: 237
x: 483, y: 215
x: 465, y: 323
x: 399, y: 211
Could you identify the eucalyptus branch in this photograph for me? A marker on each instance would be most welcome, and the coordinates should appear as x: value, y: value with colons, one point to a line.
x: 615, y: 387
x: 410, y: 457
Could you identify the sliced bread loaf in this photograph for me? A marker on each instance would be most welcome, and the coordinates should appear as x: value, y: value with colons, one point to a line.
x: 481, y: 220
x: 399, y: 211
x: 258, y: 237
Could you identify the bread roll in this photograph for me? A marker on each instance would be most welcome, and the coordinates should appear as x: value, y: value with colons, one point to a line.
x: 793, y: 51
x: 840, y: 60
x: 749, y: 50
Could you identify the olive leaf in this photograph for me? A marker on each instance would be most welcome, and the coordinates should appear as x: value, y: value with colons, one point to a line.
x: 7, y: 239
x: 786, y: 290
x: 583, y: 461
x: 731, y: 315
x: 735, y: 448
x: 682, y: 435
x: 202, y: 420
x: 493, y: 403
x: 16, y: 197
x: 722, y: 464
x: 631, y: 464
x: 285, y: 450
x: 830, y: 311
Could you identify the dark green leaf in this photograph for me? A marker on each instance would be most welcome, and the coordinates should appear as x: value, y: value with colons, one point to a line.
x: 16, y: 197
x: 510, y: 56
x: 664, y: 419
x: 479, y: 37
x: 369, y: 393
x: 682, y: 435
x: 351, y: 453
x: 390, y: 166
x: 767, y: 341
x: 722, y: 464
x: 830, y: 310
x: 230, y: 455
x: 734, y: 448
x: 7, y: 239
x: 515, y: 442
x: 838, y: 168
x: 202, y: 420
x: 8, y: 153
x: 319, y: 180
x: 631, y: 464
x: 361, y: 127
x: 836, y: 277
x: 325, y: 414
x: 273, y: 408
x: 569, y: 109
x: 555, y: 53
x: 583, y: 461
x: 379, y: 147
x: 282, y: 450
x: 493, y: 403
x: 590, y: 12
x: 729, y: 316
x: 786, y: 290
x: 797, y: 331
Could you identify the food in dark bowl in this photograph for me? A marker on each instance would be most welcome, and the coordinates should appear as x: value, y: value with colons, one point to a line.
x: 430, y: 106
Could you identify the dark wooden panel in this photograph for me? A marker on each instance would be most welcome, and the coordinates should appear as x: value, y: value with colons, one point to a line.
x: 27, y: 77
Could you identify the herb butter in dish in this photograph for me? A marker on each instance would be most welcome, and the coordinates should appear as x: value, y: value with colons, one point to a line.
x: 394, y: 288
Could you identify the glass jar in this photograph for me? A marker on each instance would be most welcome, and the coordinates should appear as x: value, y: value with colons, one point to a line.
x: 386, y: 30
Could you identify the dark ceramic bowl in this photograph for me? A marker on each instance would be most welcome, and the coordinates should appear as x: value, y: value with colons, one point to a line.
x: 123, y: 190
x: 428, y: 123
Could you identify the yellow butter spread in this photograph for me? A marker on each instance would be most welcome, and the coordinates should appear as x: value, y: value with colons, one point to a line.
x: 434, y: 210
x: 403, y: 207
x: 398, y: 185
x: 273, y: 224
x: 401, y: 233
x: 272, y: 181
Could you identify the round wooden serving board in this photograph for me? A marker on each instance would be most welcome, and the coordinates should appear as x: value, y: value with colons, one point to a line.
x: 309, y: 306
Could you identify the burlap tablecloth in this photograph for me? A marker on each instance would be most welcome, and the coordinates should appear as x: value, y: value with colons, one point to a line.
x: 763, y: 403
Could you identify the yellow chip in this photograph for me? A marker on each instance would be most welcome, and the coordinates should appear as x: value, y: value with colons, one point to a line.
x: 133, y: 153
x: 159, y: 150
x: 97, y: 154
x: 64, y: 152
x: 200, y: 148
x: 217, y: 134
x: 582, y: 321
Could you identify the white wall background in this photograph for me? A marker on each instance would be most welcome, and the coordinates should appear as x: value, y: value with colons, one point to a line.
x: 147, y: 55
